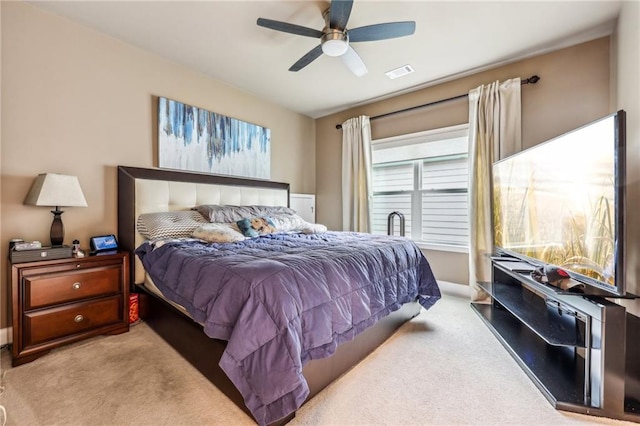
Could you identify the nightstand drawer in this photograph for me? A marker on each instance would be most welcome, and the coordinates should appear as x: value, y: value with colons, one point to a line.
x: 50, y: 289
x: 49, y: 324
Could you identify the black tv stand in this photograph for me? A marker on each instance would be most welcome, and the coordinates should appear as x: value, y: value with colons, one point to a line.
x: 572, y: 346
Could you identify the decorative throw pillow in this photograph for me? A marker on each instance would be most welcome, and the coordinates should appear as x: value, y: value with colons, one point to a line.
x: 218, y: 233
x: 255, y: 226
x: 176, y: 224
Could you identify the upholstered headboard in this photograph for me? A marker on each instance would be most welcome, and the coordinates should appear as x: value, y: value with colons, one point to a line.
x: 155, y: 190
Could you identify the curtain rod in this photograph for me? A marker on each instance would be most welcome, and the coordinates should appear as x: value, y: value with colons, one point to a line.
x: 531, y: 80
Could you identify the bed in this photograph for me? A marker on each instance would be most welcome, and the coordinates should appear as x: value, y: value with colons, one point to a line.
x: 257, y: 328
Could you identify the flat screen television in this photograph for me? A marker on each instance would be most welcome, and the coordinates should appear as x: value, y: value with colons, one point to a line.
x: 561, y: 204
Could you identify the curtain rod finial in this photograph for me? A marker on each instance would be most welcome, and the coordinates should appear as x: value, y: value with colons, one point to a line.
x: 338, y: 126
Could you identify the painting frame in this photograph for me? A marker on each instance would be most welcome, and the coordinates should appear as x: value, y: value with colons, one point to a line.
x: 195, y: 139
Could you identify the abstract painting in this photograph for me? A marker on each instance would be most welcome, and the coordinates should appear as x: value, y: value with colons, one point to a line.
x: 191, y: 138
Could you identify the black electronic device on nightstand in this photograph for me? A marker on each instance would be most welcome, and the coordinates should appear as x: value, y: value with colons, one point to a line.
x: 104, y: 244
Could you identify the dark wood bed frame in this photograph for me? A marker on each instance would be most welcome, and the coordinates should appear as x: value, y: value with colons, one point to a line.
x: 188, y: 337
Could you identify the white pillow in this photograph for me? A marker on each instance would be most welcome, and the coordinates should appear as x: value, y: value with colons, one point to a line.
x: 313, y: 228
x: 294, y: 223
x: 218, y: 233
x: 288, y: 222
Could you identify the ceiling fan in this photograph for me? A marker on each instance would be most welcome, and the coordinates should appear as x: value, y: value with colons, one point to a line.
x: 335, y: 38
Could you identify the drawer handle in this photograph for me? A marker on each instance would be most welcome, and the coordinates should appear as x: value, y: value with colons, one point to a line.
x: 76, y: 286
x: 78, y: 318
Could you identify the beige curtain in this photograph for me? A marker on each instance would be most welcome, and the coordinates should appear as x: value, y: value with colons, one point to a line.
x: 495, y: 132
x: 356, y: 174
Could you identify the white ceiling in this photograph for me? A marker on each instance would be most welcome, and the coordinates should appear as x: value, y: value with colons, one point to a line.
x: 221, y: 39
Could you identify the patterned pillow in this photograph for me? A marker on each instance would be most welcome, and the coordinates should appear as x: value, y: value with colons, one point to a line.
x: 218, y: 233
x: 255, y: 226
x: 177, y: 224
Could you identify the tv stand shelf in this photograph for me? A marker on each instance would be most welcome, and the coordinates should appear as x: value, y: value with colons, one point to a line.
x: 555, y: 370
x: 551, y: 323
x: 572, y: 346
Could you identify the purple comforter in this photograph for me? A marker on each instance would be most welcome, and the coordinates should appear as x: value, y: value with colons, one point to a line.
x: 283, y: 299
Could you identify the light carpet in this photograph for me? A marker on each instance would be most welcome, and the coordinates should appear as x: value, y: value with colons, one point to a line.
x: 443, y: 367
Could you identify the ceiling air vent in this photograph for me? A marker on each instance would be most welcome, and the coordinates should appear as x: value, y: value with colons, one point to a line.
x: 400, y: 72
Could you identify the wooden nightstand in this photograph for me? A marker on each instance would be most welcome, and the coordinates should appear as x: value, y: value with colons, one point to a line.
x: 55, y: 302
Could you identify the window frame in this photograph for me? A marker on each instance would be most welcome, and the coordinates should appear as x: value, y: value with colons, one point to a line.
x: 417, y: 192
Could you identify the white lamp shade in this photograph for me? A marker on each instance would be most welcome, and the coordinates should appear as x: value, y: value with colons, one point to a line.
x: 51, y: 189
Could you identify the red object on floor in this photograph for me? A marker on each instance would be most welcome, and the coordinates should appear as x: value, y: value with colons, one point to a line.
x: 133, y: 308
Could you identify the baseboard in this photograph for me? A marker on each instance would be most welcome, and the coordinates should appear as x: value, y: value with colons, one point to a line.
x: 454, y: 289
x: 5, y: 335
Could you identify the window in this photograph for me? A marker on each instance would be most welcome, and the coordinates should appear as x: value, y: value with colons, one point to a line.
x: 424, y: 176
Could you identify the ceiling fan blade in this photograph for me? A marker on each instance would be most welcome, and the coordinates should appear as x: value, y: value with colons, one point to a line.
x: 307, y: 59
x: 382, y: 31
x: 339, y: 13
x: 289, y: 28
x: 353, y: 61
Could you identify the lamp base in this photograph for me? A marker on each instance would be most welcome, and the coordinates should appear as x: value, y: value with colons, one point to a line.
x: 57, y: 228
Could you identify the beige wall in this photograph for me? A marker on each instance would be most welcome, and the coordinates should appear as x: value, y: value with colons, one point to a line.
x: 627, y: 76
x: 574, y: 89
x: 75, y: 101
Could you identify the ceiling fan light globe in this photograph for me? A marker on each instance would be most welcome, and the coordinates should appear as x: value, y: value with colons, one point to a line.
x: 334, y: 42
x: 335, y: 47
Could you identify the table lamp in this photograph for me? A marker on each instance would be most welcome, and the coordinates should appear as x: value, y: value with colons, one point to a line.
x: 54, y: 190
